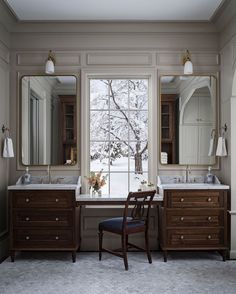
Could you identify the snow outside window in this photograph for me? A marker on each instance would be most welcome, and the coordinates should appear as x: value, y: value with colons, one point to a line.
x: 119, y: 132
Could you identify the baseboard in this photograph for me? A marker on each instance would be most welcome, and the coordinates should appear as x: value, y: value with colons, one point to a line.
x: 232, y: 254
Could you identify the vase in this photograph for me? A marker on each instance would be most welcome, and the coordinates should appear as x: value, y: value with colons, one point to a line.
x: 96, y: 192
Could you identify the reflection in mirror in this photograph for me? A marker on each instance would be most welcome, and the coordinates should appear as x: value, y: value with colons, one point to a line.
x: 48, y: 120
x: 188, y: 117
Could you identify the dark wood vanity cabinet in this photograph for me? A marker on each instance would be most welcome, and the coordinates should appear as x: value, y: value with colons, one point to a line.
x: 43, y: 220
x: 193, y: 220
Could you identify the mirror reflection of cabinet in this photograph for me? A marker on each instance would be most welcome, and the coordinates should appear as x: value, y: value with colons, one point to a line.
x: 48, y: 120
x: 68, y: 128
x: 188, y: 116
x: 168, y: 128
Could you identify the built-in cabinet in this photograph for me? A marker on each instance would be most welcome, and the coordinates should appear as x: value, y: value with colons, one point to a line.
x: 196, y: 124
x: 43, y: 220
x: 68, y: 128
x: 194, y: 220
x: 168, y: 127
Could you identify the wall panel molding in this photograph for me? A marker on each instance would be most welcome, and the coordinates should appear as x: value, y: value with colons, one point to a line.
x: 119, y: 58
x: 198, y: 58
x: 39, y: 58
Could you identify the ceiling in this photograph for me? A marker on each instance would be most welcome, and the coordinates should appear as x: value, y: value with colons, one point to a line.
x: 114, y: 10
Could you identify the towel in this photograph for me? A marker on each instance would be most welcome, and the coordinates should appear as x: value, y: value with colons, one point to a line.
x: 221, y: 147
x: 8, y: 148
x: 211, y: 146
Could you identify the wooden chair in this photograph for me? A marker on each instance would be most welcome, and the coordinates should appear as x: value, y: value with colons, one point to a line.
x: 137, y: 222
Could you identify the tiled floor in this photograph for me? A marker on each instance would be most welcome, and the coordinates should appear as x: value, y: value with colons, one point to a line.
x: 49, y: 273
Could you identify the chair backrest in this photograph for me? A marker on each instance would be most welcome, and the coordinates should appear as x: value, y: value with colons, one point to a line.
x: 141, y: 203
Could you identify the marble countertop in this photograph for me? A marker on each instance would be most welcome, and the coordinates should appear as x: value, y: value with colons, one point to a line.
x: 193, y: 186
x: 45, y: 187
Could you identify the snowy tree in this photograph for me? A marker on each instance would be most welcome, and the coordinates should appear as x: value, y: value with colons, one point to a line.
x: 119, y: 114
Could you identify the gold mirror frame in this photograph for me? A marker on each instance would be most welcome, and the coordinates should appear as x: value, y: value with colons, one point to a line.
x: 77, y: 120
x: 216, y: 123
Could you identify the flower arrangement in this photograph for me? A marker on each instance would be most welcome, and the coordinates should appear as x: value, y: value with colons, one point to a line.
x: 96, y: 181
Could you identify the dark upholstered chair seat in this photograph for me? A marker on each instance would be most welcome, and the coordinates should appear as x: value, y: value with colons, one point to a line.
x: 116, y: 224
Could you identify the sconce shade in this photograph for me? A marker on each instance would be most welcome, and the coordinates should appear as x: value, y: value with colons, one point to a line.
x: 49, y: 68
x: 188, y: 67
x: 187, y: 63
x: 50, y: 64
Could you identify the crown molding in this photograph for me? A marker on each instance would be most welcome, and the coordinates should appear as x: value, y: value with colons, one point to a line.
x: 224, y: 14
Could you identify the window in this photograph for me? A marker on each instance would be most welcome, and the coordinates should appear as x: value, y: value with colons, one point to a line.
x: 119, y: 132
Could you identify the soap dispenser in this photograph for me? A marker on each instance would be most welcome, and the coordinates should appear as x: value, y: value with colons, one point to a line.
x: 26, y: 177
x: 209, y: 176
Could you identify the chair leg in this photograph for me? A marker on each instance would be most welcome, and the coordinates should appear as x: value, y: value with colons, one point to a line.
x: 124, y: 249
x: 147, y: 247
x: 100, y: 235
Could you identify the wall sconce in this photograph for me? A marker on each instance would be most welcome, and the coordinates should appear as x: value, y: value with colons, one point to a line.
x: 187, y: 63
x: 50, y: 63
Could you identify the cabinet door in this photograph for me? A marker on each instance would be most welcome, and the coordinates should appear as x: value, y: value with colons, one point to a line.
x: 188, y: 145
x: 203, y: 147
x: 191, y: 111
x: 205, y: 109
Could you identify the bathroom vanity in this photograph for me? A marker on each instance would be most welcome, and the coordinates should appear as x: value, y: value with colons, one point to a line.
x: 44, y: 217
x: 193, y: 216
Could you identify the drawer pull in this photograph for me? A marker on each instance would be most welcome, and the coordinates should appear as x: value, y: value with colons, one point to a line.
x: 27, y: 237
x: 27, y: 218
x: 209, y: 218
x: 57, y: 219
x: 182, y: 200
x: 27, y: 200
x: 209, y: 199
x: 182, y: 237
x: 57, y: 238
x: 209, y: 237
x: 57, y: 200
x: 182, y: 218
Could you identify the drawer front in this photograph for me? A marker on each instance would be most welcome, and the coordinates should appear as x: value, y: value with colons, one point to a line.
x: 28, y: 238
x: 42, y: 218
x: 194, y: 218
x: 186, y: 238
x: 195, y: 199
x: 43, y: 199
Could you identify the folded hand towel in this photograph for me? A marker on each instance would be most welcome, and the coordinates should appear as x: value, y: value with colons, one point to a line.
x: 221, y: 147
x: 8, y: 148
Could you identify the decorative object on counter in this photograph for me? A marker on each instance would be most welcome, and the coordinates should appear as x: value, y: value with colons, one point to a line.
x: 209, y: 176
x: 25, y: 179
x: 50, y: 63
x: 96, y: 181
x: 187, y: 63
x: 8, y: 151
x: 146, y: 186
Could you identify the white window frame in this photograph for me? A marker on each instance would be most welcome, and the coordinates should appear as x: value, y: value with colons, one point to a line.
x: 121, y: 73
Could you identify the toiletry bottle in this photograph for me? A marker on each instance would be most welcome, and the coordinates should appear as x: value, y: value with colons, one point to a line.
x: 209, y: 176
x: 26, y: 177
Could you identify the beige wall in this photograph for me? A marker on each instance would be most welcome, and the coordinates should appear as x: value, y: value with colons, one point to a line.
x: 228, y: 106
x: 4, y: 119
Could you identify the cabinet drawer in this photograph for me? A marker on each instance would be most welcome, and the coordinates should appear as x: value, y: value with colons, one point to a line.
x: 29, y: 238
x: 186, y: 238
x: 195, y: 199
x: 43, y: 199
x: 42, y: 218
x: 194, y: 218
